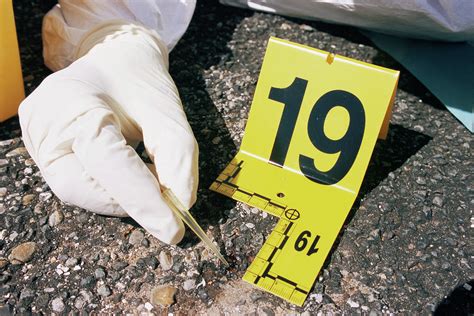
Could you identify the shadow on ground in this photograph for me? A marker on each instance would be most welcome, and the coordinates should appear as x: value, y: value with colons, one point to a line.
x: 459, y: 302
x: 388, y: 155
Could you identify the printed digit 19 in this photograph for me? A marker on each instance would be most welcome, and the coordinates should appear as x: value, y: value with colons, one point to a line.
x: 348, y: 145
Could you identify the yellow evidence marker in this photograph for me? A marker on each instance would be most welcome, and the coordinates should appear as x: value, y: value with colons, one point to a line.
x: 11, y: 80
x: 312, y: 127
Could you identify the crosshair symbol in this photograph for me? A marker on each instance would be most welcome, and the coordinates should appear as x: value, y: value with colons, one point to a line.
x: 292, y: 214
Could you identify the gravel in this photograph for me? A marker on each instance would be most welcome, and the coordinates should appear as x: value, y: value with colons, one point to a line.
x: 405, y: 247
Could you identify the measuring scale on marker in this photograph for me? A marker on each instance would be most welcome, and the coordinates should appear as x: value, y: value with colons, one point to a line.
x: 312, y: 127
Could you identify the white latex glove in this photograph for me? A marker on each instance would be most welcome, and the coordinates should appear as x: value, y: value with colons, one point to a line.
x: 77, y: 123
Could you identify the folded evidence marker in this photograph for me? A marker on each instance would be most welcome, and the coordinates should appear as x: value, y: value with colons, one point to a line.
x: 312, y: 127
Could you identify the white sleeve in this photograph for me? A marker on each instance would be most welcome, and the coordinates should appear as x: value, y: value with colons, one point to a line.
x: 449, y: 20
x: 65, y: 25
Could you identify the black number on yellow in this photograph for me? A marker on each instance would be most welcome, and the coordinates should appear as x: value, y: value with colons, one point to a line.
x: 302, y: 242
x: 291, y: 97
x: 347, y: 146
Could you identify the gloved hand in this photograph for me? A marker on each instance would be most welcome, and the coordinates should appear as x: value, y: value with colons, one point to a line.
x: 78, y: 124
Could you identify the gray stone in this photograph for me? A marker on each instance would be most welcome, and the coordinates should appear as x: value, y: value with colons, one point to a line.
x: 166, y: 261
x: 26, y: 296
x: 353, y: 304
x: 145, y: 242
x: 57, y: 305
x: 3, y: 192
x: 136, y: 237
x: 83, y: 218
x: 42, y: 300
x: 256, y: 295
x: 188, y: 285
x: 152, y: 262
x: 84, y: 298
x: 104, y: 291
x: 119, y: 265
x: 265, y: 311
x: 88, y: 281
x: 80, y: 302
x: 438, y: 201
x: 99, y: 273
x: 71, y: 262
x: 55, y: 218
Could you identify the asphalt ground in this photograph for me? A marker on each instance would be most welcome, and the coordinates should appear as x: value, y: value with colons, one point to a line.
x: 406, y: 247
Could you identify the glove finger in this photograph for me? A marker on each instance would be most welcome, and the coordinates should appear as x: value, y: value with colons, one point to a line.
x: 69, y: 181
x: 102, y: 150
x: 174, y: 152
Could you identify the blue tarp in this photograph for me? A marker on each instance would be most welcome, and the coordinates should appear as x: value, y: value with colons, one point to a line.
x: 445, y: 68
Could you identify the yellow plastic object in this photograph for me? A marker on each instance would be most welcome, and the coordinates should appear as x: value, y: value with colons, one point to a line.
x: 180, y: 211
x: 11, y: 80
x: 312, y: 127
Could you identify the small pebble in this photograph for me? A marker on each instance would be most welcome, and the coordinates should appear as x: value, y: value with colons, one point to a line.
x: 55, y: 218
x: 80, y: 302
x: 152, y: 262
x: 26, y: 200
x: 256, y: 295
x: 166, y: 261
x: 188, y: 285
x: 438, y: 201
x: 148, y: 306
x: 265, y: 311
x: 145, y: 242
x: 71, y: 262
x: 88, y: 281
x: 3, y: 262
x: 104, y: 291
x: 216, y: 140
x: 136, y: 237
x: 20, y: 151
x: 163, y: 295
x: 119, y: 265
x: 99, y: 273
x: 57, y: 304
x: 352, y: 303
x: 22, y: 253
